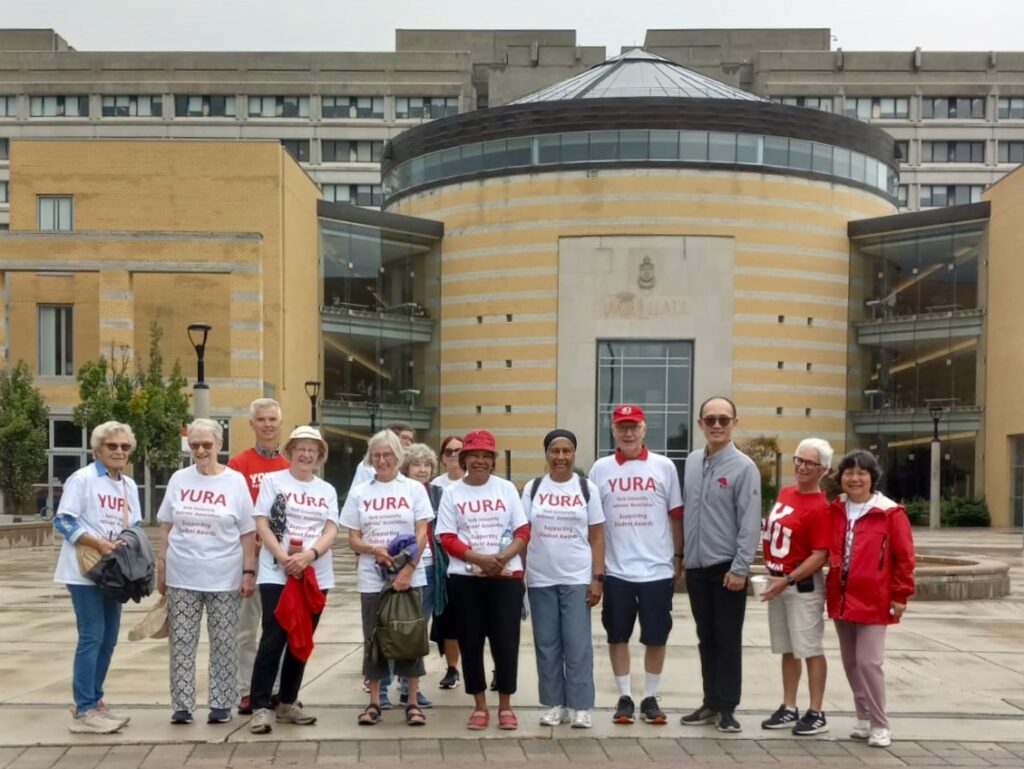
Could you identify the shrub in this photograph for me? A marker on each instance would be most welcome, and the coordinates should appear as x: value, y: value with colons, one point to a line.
x: 918, y: 511
x: 965, y: 511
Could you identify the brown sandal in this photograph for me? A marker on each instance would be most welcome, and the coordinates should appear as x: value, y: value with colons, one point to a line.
x: 414, y: 716
x: 370, y: 715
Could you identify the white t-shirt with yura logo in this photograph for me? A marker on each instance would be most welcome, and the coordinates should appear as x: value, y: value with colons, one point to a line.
x: 560, y: 520
x: 479, y: 516
x: 208, y: 516
x: 381, y: 512
x: 98, y: 502
x: 311, y: 505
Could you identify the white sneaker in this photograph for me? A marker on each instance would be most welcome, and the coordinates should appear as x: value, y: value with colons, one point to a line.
x: 880, y: 738
x: 113, y: 716
x: 555, y: 716
x: 260, y: 722
x: 861, y: 729
x: 92, y: 722
x: 581, y: 719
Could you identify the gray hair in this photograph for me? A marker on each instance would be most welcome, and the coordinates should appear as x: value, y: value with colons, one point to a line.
x: 263, y: 403
x: 209, y: 425
x: 100, y: 433
x: 823, y: 447
x: 389, y: 439
x: 420, y: 454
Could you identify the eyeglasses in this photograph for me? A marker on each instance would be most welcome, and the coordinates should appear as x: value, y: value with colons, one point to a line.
x: 721, y: 420
x: 451, y: 452
x: 382, y: 457
x: 801, y: 462
x: 626, y: 427
x: 125, y: 447
x: 208, y: 445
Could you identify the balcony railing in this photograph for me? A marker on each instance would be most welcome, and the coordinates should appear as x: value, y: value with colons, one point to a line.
x: 915, y: 421
x: 944, y: 324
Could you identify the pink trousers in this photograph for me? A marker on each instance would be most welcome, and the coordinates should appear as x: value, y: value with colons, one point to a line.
x: 863, y: 651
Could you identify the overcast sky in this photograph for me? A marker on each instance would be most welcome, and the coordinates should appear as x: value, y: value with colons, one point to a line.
x: 368, y: 25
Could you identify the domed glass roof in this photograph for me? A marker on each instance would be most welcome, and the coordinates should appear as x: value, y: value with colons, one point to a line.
x: 635, y: 74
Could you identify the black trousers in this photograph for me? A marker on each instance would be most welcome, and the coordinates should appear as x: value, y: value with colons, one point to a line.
x: 718, y: 614
x: 488, y: 609
x: 274, y: 641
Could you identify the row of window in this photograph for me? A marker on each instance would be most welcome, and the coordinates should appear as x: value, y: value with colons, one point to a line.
x: 898, y: 107
x: 641, y: 145
x: 940, y: 195
x: 961, y: 151
x: 206, y: 105
x: 357, y: 194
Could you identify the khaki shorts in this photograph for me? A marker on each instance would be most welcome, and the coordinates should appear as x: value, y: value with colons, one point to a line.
x: 796, y: 621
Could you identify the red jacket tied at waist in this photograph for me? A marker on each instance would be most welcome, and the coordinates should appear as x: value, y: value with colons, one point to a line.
x: 881, y: 562
x: 300, y: 600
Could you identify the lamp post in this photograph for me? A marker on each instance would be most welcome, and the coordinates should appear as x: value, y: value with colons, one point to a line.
x: 313, y: 391
x: 197, y: 334
x: 374, y: 408
x: 935, y: 487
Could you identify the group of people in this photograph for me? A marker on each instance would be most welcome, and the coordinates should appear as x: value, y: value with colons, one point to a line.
x: 252, y: 543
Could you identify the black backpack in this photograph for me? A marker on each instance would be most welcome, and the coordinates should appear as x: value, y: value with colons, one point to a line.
x: 584, y: 488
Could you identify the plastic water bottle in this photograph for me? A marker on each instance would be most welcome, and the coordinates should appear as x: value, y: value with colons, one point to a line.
x: 506, y: 539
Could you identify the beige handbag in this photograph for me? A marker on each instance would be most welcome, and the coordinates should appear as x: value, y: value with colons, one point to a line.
x: 154, y: 625
x: 87, y: 555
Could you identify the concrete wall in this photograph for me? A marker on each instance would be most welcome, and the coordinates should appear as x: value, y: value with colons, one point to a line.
x: 502, y: 257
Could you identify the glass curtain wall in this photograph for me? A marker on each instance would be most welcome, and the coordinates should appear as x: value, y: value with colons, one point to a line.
x: 917, y: 326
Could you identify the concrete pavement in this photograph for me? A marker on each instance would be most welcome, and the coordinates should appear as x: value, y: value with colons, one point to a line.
x: 955, y: 686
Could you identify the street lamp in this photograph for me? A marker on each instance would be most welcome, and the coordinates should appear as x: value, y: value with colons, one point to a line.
x: 374, y: 408
x: 313, y: 391
x: 935, y: 488
x: 197, y: 334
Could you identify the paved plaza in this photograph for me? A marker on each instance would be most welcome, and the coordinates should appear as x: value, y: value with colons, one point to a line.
x: 955, y: 686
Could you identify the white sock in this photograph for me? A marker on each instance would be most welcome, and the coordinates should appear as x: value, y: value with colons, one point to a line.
x: 625, y: 689
x: 651, y: 684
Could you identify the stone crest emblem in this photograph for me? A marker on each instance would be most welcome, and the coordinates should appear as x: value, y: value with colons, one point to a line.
x: 645, y: 278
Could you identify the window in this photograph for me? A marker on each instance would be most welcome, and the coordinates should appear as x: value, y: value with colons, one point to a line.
x: 426, y: 106
x: 204, y: 106
x: 823, y: 103
x: 278, y: 106
x: 56, y: 212
x: 948, y: 107
x: 4, y: 198
x: 884, y: 108
x: 59, y: 106
x: 902, y: 195
x: 55, y: 340
x: 1009, y: 152
x: 297, y: 148
x: 133, y: 106
x: 8, y: 106
x: 357, y: 194
x: 351, y: 151
x: 1011, y: 108
x: 938, y: 195
x: 657, y: 375
x: 952, y: 152
x: 352, y: 107
x: 903, y: 150
x: 1017, y: 480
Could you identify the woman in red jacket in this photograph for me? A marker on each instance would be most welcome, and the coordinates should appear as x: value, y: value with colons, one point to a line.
x: 871, y: 576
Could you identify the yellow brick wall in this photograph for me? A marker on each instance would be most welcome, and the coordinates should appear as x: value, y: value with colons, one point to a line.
x: 500, y: 255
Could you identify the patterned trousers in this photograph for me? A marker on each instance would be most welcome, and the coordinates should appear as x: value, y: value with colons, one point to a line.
x: 185, y: 611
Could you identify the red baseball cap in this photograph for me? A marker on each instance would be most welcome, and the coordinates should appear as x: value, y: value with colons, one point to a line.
x: 627, y: 413
x: 478, y: 440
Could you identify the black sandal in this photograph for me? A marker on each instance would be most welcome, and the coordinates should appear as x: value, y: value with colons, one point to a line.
x: 414, y: 716
x: 370, y: 715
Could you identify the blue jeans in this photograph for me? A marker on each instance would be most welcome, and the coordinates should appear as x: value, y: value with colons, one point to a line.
x: 99, y: 620
x: 563, y: 645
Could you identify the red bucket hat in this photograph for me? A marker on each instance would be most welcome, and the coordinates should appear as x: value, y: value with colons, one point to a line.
x: 627, y: 413
x: 478, y: 440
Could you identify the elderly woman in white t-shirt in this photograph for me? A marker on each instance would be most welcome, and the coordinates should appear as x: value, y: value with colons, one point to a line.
x: 375, y: 513
x: 207, y: 560
x: 565, y: 579
x: 302, y: 550
x: 98, y: 502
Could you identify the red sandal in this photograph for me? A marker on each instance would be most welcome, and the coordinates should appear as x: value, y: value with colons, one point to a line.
x: 478, y: 720
x: 507, y: 720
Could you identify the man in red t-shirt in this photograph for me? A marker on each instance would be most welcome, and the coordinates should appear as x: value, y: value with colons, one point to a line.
x: 265, y: 457
x: 796, y: 540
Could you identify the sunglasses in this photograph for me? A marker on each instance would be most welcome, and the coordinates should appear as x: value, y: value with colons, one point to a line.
x: 801, y: 462
x: 208, y: 445
x: 126, y: 447
x: 451, y: 452
x: 721, y: 421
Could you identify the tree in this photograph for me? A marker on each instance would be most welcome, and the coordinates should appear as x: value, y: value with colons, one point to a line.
x: 24, y: 435
x: 155, y: 406
x: 764, y: 450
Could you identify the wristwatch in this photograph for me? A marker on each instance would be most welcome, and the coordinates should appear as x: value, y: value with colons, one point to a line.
x: 248, y: 571
x: 597, y: 577
x: 789, y: 580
